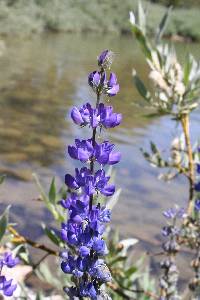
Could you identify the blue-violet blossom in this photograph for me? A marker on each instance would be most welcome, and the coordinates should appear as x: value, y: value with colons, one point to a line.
x: 87, y: 218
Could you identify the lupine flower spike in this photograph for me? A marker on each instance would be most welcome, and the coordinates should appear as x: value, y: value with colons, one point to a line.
x: 169, y: 279
x: 84, y: 229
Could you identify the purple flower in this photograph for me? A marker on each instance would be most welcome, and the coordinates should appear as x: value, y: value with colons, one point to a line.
x: 112, y: 85
x: 198, y: 168
x: 8, y: 260
x: 105, y: 59
x: 197, y: 205
x: 100, y: 271
x: 68, y: 265
x: 82, y: 150
x: 97, y: 80
x: 101, y: 183
x: 103, y: 116
x: 102, y: 57
x: 104, y: 154
x: 81, y: 116
x: 108, y: 118
x: 197, y: 187
x: 88, y: 291
x: 84, y: 251
x: 99, y: 246
x: 174, y: 213
x: 90, y: 183
x: 7, y: 287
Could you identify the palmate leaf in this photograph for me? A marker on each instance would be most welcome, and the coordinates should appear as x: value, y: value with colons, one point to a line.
x: 4, y: 222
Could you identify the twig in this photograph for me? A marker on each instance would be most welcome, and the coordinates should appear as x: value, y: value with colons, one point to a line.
x: 117, y: 290
x: 35, y: 266
x: 185, y: 125
x: 18, y: 238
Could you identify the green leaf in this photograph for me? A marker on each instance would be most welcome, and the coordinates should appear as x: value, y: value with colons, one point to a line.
x: 141, y: 87
x: 51, y: 207
x: 52, y: 191
x: 51, y: 235
x: 2, y: 178
x: 25, y: 257
x: 130, y: 271
x: 187, y: 68
x: 117, y: 259
x: 4, y: 222
x: 153, y: 148
x: 141, y: 18
x: 142, y: 40
x: 162, y: 25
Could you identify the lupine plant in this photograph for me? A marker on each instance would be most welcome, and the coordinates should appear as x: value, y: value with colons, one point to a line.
x: 175, y: 93
x: 84, y: 229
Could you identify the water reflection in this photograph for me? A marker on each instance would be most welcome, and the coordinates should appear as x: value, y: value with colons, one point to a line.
x: 40, y: 80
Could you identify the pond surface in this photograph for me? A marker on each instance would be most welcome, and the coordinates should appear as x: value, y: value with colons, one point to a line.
x: 40, y: 80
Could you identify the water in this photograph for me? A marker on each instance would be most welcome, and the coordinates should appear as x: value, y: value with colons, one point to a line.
x: 40, y: 80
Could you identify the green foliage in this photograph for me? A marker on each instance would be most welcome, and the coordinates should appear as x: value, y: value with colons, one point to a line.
x: 26, y: 17
x: 51, y: 200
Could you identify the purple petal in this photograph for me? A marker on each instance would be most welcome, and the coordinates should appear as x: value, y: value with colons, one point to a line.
x: 83, y: 155
x: 118, y: 119
x: 72, y: 152
x: 197, y: 187
x: 108, y: 190
x: 112, y: 80
x: 96, y: 78
x: 197, y: 205
x: 103, y: 159
x: 102, y: 57
x: 84, y: 251
x: 113, y: 91
x: 65, y: 267
x: 114, y: 158
x: 63, y: 234
x: 76, y: 116
x: 9, y: 291
x: 71, y: 182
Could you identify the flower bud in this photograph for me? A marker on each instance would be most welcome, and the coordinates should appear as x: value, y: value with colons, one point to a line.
x: 105, y: 59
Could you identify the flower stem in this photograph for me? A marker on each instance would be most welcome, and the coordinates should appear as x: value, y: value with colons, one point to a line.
x: 93, y: 144
x: 185, y: 122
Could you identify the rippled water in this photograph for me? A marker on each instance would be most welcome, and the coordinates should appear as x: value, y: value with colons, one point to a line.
x: 40, y: 80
